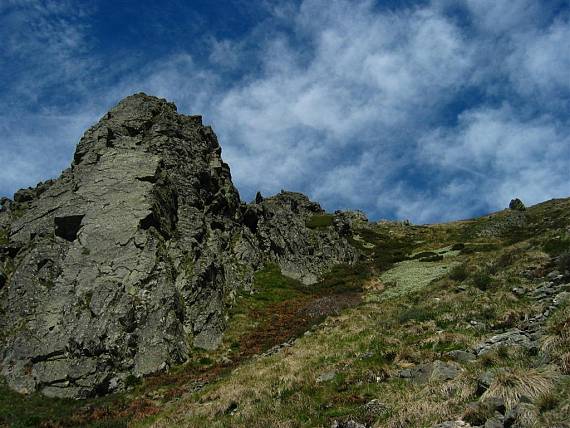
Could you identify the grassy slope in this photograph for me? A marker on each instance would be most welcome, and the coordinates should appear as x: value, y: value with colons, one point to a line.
x: 413, y: 312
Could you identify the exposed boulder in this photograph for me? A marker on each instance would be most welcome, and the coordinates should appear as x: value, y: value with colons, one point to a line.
x: 133, y: 254
x: 509, y: 339
x: 517, y: 205
x: 438, y: 371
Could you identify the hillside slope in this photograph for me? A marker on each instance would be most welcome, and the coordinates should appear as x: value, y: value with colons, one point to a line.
x: 461, y: 324
x: 466, y: 321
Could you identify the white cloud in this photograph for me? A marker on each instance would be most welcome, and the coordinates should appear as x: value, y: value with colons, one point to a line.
x: 349, y: 103
x: 45, y: 42
x: 367, y: 78
x: 492, y: 16
x: 504, y: 155
x: 540, y: 63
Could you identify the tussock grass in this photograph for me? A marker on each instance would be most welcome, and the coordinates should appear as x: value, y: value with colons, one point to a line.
x: 511, y: 384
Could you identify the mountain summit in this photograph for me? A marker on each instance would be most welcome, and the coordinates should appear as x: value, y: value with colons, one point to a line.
x: 131, y: 257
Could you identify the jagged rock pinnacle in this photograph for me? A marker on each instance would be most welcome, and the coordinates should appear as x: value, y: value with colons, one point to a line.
x: 131, y: 257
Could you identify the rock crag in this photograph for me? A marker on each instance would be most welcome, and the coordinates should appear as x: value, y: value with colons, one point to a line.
x: 132, y: 256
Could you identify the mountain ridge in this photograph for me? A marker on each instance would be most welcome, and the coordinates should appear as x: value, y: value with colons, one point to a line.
x: 138, y: 247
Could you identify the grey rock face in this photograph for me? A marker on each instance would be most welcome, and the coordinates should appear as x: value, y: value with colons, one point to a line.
x: 279, y: 225
x: 461, y: 356
x: 511, y: 338
x: 438, y: 371
x: 517, y: 205
x: 134, y: 253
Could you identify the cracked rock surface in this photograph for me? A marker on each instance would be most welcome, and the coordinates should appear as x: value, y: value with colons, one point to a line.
x: 134, y: 253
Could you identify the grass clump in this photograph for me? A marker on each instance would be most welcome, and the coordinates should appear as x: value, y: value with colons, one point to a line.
x: 459, y: 273
x: 556, y: 342
x: 564, y: 262
x: 482, y: 280
x: 511, y: 384
x: 320, y: 221
x: 547, y: 401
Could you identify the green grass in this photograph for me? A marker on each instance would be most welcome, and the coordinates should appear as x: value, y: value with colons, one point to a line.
x: 558, y: 245
x: 271, y: 286
x: 23, y: 411
x: 319, y: 221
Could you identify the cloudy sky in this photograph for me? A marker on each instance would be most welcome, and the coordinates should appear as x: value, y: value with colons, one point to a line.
x: 426, y: 110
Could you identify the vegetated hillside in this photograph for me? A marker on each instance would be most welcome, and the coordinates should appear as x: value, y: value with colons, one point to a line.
x: 452, y: 325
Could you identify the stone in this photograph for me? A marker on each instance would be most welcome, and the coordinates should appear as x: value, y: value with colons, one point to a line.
x: 347, y: 424
x: 4, y: 204
x: 443, y: 371
x: 375, y: 407
x: 517, y: 205
x: 132, y: 256
x: 24, y: 195
x: 437, y: 371
x: 518, y: 413
x: 326, y: 376
x: 484, y: 381
x: 519, y: 291
x: 461, y: 356
x: 494, y: 422
x: 453, y: 424
x: 495, y: 404
x: 511, y: 338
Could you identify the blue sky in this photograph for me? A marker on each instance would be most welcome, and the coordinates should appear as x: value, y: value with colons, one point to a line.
x: 428, y: 110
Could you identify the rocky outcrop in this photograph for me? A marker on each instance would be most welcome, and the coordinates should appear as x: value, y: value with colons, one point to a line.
x: 133, y: 254
x: 517, y: 205
x: 279, y: 224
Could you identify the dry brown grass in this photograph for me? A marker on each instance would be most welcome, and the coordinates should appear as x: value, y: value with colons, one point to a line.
x: 423, y: 406
x: 512, y: 384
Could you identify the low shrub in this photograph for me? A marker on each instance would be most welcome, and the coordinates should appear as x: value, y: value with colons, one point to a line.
x: 459, y: 273
x: 482, y: 280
